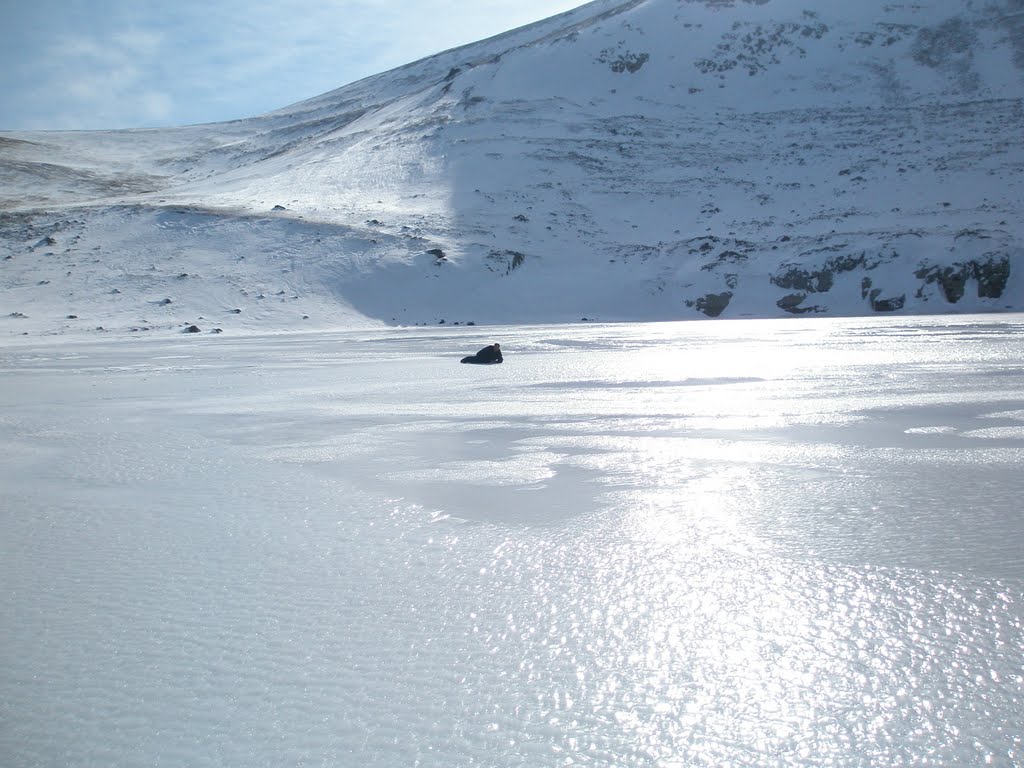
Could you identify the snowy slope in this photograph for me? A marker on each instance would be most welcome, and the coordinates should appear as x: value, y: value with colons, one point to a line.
x: 653, y: 159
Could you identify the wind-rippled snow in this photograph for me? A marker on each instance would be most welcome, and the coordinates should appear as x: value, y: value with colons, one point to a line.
x: 747, y: 543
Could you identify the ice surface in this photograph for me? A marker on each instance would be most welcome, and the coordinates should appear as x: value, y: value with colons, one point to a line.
x: 748, y: 543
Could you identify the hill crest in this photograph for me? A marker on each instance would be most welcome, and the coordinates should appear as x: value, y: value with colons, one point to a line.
x: 652, y: 159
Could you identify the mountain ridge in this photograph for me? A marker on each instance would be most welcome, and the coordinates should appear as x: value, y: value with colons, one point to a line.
x: 641, y: 160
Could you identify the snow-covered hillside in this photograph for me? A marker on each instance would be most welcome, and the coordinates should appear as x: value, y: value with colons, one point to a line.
x: 650, y: 159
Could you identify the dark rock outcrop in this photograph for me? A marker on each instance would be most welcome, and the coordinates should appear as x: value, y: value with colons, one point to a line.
x: 991, y: 273
x: 792, y: 304
x: 713, y: 304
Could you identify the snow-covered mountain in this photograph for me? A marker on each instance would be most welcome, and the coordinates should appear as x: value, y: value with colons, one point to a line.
x: 649, y: 159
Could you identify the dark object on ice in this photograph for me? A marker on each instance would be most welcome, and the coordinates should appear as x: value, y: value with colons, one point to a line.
x: 192, y: 329
x: 486, y: 356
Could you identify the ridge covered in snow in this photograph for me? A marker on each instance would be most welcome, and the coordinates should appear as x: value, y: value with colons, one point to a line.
x: 641, y: 160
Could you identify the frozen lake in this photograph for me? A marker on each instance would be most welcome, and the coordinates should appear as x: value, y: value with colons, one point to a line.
x: 747, y: 543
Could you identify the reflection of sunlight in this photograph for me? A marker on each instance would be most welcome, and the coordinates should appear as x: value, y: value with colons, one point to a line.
x: 1011, y: 433
x: 707, y: 614
x: 699, y: 640
x: 698, y: 515
x: 524, y: 469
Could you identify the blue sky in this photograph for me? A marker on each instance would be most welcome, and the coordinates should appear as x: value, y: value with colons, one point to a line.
x: 89, y: 64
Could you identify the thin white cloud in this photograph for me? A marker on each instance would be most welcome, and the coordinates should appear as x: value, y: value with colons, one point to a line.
x: 131, y: 64
x: 139, y: 42
x: 156, y: 106
x: 95, y: 78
